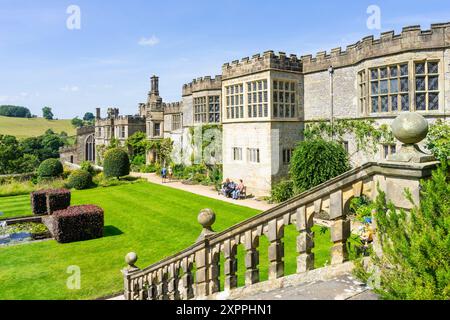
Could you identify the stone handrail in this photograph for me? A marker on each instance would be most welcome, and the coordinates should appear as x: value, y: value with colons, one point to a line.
x: 173, y: 278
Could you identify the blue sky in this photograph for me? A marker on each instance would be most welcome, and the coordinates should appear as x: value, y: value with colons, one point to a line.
x: 108, y: 61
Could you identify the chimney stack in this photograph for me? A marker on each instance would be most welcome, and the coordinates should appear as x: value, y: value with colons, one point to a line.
x: 98, y: 115
x: 154, y: 86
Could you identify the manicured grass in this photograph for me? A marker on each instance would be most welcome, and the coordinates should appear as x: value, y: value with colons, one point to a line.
x: 24, y: 128
x: 152, y: 220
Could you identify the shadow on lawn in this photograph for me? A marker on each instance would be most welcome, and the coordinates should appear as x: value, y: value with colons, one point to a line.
x: 111, y: 231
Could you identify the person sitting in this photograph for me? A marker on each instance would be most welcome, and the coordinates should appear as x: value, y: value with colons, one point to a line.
x: 238, y: 190
x: 225, y: 186
x: 230, y: 188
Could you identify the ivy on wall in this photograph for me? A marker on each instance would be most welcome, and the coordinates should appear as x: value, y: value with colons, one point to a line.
x: 367, y: 134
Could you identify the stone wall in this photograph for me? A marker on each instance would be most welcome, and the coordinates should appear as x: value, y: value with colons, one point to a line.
x: 77, y: 153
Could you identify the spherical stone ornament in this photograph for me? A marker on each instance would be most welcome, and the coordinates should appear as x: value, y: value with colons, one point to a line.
x: 410, y: 128
x: 131, y: 258
x: 206, y: 218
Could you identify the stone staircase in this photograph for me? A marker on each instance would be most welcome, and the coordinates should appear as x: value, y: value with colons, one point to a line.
x: 194, y: 273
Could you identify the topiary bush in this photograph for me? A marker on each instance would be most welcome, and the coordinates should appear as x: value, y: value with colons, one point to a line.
x: 77, y: 223
x: 39, y: 202
x: 57, y: 200
x: 50, y: 168
x: 87, y: 166
x: 317, y: 161
x: 79, y: 180
x: 283, y: 191
x: 116, y: 163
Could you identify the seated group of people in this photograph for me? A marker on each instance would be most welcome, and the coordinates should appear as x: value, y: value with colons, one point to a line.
x: 233, y: 190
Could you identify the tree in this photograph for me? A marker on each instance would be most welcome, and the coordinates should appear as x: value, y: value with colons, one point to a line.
x: 9, y: 152
x: 315, y: 162
x: 415, y: 260
x: 77, y: 122
x: 89, y: 117
x: 116, y: 163
x: 47, y: 113
x: 137, y: 144
x: 15, y: 111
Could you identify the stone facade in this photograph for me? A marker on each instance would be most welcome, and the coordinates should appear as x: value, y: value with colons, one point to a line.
x: 265, y: 101
x: 83, y: 149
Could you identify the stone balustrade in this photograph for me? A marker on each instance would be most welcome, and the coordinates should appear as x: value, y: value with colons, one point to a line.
x: 194, y: 273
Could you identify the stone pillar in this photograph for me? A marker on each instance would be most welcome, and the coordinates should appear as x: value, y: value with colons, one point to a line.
x: 276, y: 250
x: 251, y: 259
x: 305, y: 241
x: 129, y: 291
x: 340, y: 229
x: 230, y: 265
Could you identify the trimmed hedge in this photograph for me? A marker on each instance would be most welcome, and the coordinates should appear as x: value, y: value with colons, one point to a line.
x: 39, y: 202
x: 50, y: 168
x: 80, y: 180
x: 116, y: 163
x: 57, y: 200
x: 77, y: 223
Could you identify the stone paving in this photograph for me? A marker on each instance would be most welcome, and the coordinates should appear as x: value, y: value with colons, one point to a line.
x: 204, y: 191
x: 343, y: 287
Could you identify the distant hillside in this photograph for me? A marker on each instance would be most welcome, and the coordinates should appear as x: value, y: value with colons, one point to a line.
x: 24, y: 128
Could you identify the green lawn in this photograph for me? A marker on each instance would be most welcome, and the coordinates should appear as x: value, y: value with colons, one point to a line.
x: 152, y: 220
x: 24, y: 128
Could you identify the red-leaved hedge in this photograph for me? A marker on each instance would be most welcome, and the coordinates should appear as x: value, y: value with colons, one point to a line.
x: 57, y: 200
x: 77, y: 223
x: 48, y: 201
x: 39, y: 202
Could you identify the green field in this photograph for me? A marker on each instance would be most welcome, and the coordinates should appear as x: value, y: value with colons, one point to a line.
x: 152, y: 220
x: 24, y: 128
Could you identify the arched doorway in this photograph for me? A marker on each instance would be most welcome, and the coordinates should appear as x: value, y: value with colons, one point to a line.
x: 90, y: 148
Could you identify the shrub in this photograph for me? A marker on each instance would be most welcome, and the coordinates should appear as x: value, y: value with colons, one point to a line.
x: 116, y: 163
x: 150, y: 168
x: 87, y: 166
x: 57, y: 200
x: 438, y: 140
x: 77, y: 223
x: 283, y: 191
x: 80, y: 180
x: 50, y: 168
x: 415, y: 263
x: 315, y: 162
x: 39, y: 202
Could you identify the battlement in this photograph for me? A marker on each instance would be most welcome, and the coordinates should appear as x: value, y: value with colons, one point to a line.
x: 85, y: 130
x: 257, y: 63
x: 202, y: 84
x: 173, y: 107
x: 411, y: 38
x: 129, y: 119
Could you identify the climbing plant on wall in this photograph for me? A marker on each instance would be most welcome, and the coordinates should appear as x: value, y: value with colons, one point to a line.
x: 368, y: 135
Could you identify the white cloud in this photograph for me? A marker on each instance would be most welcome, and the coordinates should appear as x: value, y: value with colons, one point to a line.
x: 70, y: 89
x: 149, y: 42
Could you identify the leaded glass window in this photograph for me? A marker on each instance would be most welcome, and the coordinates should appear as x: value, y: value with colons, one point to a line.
x: 427, y: 86
x: 285, y: 99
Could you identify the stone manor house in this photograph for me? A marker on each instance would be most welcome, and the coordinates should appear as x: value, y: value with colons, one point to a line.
x: 263, y: 102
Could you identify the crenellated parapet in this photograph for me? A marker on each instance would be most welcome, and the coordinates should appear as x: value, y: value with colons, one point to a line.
x: 129, y: 119
x: 172, y: 108
x: 257, y: 63
x: 85, y: 130
x: 411, y: 38
x: 202, y: 84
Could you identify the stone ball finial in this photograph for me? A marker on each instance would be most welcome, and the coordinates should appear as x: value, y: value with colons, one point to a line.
x: 206, y: 218
x: 410, y: 128
x: 131, y: 258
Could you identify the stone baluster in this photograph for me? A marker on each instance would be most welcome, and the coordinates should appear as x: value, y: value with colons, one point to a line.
x: 172, y: 285
x: 305, y: 241
x: 161, y: 286
x: 214, y: 272
x: 251, y: 258
x: 340, y: 229
x: 151, y: 289
x: 129, y: 285
x: 230, y: 265
x: 201, y: 276
x: 276, y: 250
x: 187, y: 279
